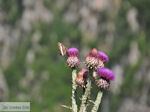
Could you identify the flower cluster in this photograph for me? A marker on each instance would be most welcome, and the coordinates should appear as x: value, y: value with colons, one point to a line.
x: 101, y: 76
x: 94, y: 61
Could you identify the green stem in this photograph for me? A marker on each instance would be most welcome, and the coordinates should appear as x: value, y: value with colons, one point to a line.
x: 74, y: 87
x: 97, y: 102
x: 85, y: 96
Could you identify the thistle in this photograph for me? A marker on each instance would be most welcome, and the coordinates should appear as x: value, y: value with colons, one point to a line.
x: 91, y: 59
x: 73, y: 60
x: 102, y: 76
x: 81, y: 78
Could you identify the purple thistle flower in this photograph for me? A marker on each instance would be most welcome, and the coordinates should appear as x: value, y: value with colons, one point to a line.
x: 103, y: 56
x: 105, y: 73
x: 72, y: 52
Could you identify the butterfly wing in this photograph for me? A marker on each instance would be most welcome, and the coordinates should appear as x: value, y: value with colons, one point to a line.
x: 62, y: 49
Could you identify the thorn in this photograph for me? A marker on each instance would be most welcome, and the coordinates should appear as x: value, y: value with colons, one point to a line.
x: 91, y: 101
x: 64, y: 106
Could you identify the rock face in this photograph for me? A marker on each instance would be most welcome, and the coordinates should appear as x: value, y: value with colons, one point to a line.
x: 130, y: 105
x: 30, y: 30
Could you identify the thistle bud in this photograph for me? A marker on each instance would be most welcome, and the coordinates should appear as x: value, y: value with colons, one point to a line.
x: 81, y: 77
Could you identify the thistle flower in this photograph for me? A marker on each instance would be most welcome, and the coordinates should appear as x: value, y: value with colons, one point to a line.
x: 72, y: 52
x: 106, y: 75
x: 81, y: 77
x: 103, y: 56
x: 73, y: 60
x: 91, y: 59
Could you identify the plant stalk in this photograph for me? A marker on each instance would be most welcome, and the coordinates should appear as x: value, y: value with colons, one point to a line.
x: 85, y: 96
x: 74, y: 87
x: 97, y: 101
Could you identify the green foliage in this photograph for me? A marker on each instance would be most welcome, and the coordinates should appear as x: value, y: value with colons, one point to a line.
x: 12, y: 9
x: 57, y: 90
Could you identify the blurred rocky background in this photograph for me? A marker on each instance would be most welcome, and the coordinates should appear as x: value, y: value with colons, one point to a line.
x: 32, y: 70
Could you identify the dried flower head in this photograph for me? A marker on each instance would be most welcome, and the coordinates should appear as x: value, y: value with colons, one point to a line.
x: 72, y: 52
x: 81, y: 77
x: 105, y: 73
x: 73, y: 61
x: 91, y: 59
x: 103, y: 56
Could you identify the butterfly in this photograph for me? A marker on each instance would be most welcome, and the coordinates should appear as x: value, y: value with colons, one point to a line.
x: 62, y: 49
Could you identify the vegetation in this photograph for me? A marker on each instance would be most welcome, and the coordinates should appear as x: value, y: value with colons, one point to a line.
x: 45, y: 81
